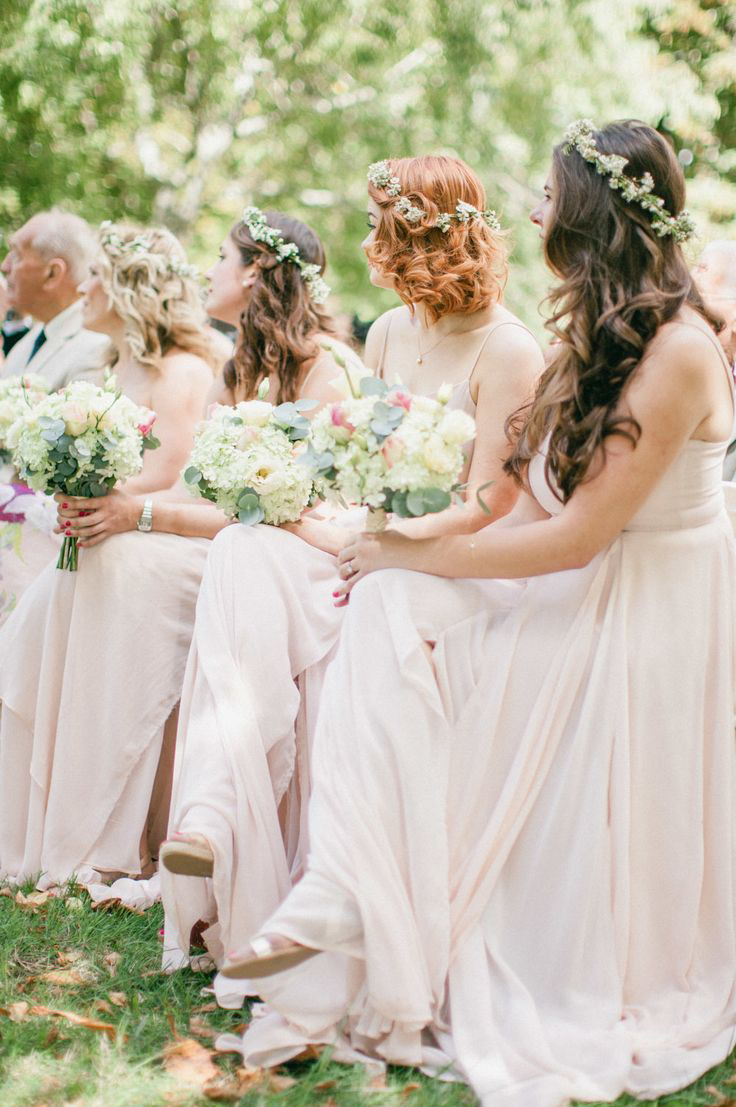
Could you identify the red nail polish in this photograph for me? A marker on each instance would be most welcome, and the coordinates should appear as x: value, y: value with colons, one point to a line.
x: 335, y: 593
x: 65, y: 505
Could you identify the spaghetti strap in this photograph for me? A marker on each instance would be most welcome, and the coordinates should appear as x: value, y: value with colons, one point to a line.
x: 492, y: 331
x: 380, y: 368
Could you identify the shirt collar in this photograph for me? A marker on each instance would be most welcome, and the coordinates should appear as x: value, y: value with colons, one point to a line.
x: 60, y: 322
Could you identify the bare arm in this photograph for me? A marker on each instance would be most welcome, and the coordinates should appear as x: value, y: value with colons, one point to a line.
x: 675, y: 392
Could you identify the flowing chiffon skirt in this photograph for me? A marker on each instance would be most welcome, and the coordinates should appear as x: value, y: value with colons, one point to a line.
x: 523, y: 842
x: 91, y: 668
x: 265, y: 629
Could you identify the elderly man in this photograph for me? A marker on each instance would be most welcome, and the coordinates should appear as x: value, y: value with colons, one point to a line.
x: 48, y: 257
x: 715, y: 276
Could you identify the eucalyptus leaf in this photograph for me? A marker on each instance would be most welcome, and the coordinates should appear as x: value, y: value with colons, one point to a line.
x: 192, y: 475
x: 373, y: 386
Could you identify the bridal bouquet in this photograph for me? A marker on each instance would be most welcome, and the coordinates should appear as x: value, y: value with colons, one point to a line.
x: 388, y: 450
x: 17, y: 397
x: 81, y: 441
x: 246, y: 460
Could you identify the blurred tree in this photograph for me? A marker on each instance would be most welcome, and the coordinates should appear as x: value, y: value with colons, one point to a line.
x: 182, y: 113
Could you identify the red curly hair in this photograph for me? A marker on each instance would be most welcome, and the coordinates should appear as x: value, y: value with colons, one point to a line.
x: 459, y: 271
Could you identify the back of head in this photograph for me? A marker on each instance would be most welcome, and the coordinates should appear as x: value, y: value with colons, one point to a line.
x: 283, y: 315
x: 154, y: 292
x: 433, y: 250
x: 59, y: 234
x: 612, y: 236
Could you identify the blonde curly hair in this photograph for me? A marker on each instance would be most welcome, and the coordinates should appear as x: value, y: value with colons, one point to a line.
x: 153, y: 291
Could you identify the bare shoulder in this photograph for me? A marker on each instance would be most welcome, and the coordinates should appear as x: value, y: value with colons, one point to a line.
x: 398, y: 316
x: 511, y: 353
x: 683, y: 353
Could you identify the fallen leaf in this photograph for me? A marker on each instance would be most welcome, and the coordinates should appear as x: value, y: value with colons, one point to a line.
x: 6, y: 892
x: 409, y: 1089
x: 70, y: 978
x: 118, y: 998
x: 279, y: 1083
x: 719, y: 1100
x: 76, y: 1020
x: 112, y: 960
x: 190, y: 1063
x: 69, y: 956
x: 34, y: 900
x: 325, y: 1085
x: 310, y: 1053
x: 103, y: 1006
x: 205, y: 1008
x: 113, y: 904
x: 201, y: 1028
x: 16, y: 1012
x: 52, y: 1036
x: 377, y: 1082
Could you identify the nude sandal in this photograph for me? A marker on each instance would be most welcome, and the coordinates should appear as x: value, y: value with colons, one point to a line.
x: 187, y: 855
x: 267, y: 960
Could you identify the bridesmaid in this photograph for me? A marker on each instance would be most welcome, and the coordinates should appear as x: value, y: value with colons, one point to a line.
x: 266, y: 625
x: 92, y: 662
x: 523, y: 842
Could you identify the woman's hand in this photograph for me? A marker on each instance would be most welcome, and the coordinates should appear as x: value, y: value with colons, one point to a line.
x: 365, y: 553
x: 92, y: 520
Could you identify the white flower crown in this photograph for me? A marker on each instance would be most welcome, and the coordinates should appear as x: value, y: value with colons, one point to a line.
x: 380, y: 176
x: 580, y: 136
x: 259, y: 231
x: 142, y: 245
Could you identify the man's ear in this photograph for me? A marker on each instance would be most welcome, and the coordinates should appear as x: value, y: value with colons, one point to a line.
x: 56, y: 270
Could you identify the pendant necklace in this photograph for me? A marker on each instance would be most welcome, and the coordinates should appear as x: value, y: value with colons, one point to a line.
x: 424, y: 353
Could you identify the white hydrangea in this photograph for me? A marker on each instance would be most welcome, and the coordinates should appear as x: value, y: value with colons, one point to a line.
x: 17, y: 397
x: 246, y: 460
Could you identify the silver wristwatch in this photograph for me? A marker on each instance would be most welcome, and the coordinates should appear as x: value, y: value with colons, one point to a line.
x: 145, y: 523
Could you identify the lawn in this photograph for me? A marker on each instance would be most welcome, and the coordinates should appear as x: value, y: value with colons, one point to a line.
x: 139, y: 1038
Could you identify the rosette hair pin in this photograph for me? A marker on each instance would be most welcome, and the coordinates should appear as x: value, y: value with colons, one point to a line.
x: 260, y: 231
x: 580, y: 136
x: 381, y: 176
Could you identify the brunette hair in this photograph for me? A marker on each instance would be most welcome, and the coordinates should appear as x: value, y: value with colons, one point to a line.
x: 463, y: 269
x: 280, y: 324
x: 160, y: 308
x: 620, y: 282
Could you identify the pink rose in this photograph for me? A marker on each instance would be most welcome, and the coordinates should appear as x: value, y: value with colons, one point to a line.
x: 339, y: 418
x: 392, y: 450
x: 401, y: 399
x: 145, y: 425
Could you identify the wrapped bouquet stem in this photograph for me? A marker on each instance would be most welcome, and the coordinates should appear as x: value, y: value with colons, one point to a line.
x: 80, y: 441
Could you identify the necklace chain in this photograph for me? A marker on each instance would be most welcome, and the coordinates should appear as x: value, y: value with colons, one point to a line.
x: 423, y: 353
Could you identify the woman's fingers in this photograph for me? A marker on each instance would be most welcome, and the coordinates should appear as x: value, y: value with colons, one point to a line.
x: 347, y: 553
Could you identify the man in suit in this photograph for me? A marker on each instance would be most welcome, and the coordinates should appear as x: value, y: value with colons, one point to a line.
x: 715, y: 276
x: 48, y: 258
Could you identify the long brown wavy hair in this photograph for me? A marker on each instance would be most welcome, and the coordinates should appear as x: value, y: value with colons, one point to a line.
x: 280, y: 325
x: 460, y: 270
x: 620, y: 282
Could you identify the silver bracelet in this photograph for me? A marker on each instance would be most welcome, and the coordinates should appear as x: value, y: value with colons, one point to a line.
x: 145, y: 523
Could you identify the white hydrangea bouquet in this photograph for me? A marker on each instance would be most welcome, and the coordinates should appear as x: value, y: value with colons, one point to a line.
x: 17, y: 397
x: 246, y: 460
x: 388, y: 450
x: 81, y: 440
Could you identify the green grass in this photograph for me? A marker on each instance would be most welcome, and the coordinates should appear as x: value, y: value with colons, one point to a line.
x: 48, y: 1062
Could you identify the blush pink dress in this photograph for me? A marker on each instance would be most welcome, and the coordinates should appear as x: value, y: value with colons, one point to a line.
x: 265, y: 631
x: 523, y: 844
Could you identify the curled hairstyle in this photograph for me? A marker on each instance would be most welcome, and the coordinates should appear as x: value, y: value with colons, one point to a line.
x: 280, y: 324
x: 160, y: 309
x: 461, y: 270
x: 619, y: 282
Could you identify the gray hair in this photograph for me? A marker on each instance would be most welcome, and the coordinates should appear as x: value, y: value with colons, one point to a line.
x: 63, y: 235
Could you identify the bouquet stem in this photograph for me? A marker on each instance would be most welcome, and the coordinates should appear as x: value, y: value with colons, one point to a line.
x: 376, y: 520
x: 69, y: 555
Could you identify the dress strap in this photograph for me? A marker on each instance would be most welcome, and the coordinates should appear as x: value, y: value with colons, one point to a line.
x: 380, y: 368
x: 492, y: 331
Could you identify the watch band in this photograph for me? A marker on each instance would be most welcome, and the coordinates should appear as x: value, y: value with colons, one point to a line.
x: 145, y: 523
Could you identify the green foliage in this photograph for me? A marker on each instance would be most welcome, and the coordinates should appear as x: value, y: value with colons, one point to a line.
x: 183, y: 113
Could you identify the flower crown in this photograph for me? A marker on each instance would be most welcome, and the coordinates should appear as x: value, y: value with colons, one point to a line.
x: 380, y: 176
x: 259, y: 231
x: 142, y: 245
x: 580, y: 136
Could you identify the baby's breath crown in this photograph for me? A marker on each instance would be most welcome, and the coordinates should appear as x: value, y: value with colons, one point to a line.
x: 380, y: 176
x: 580, y: 136
x: 140, y: 245
x: 259, y: 231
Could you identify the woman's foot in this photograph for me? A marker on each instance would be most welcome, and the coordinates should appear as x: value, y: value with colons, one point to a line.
x: 264, y: 956
x: 187, y: 855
